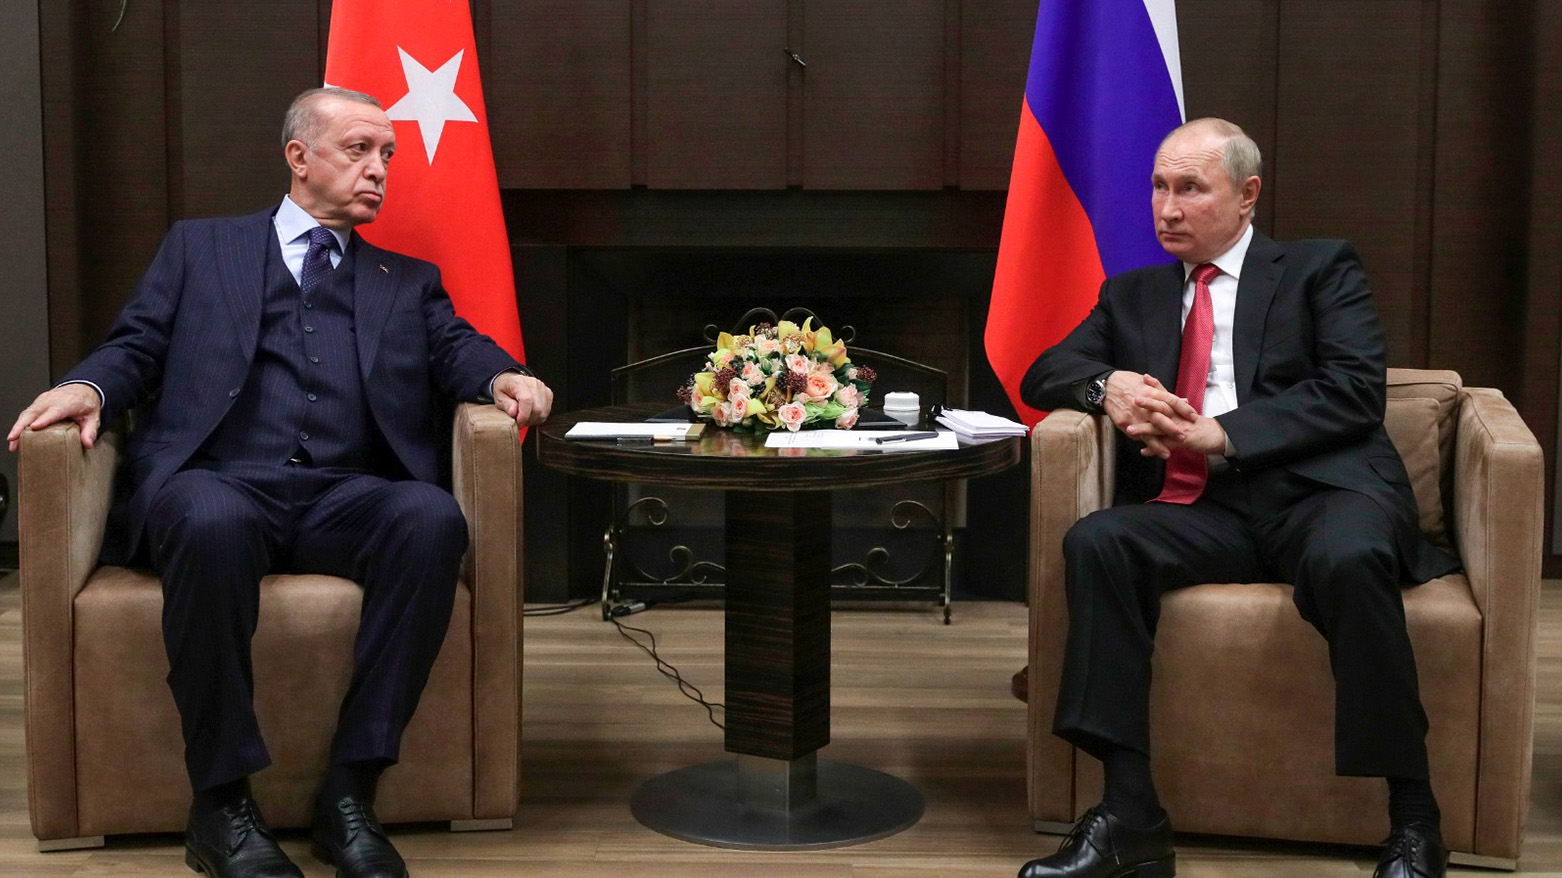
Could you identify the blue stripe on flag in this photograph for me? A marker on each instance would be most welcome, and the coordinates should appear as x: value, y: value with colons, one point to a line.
x: 1099, y: 88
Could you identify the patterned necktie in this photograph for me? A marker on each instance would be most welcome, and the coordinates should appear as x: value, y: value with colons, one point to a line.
x: 317, y: 259
x: 1187, y: 471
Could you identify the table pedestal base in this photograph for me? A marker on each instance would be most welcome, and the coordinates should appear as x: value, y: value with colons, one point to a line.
x: 752, y: 803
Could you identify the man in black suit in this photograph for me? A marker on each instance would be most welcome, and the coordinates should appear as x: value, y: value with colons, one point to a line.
x: 1261, y: 450
x: 294, y: 384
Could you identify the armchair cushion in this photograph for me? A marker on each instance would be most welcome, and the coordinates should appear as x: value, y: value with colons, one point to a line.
x: 1412, y: 425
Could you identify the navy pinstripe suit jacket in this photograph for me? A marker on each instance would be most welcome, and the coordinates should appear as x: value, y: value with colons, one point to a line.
x: 182, y: 347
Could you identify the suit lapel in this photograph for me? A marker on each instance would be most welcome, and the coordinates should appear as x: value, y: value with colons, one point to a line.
x: 1262, y: 270
x: 241, y: 264
x: 1163, y: 323
x: 374, y: 295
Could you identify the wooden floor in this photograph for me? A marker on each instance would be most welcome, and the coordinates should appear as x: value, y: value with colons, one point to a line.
x: 923, y: 701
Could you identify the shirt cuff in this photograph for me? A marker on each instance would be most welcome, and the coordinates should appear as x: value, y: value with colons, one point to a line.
x: 102, y: 397
x: 519, y: 370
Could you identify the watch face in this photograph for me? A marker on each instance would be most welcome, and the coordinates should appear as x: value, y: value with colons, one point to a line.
x: 1095, y: 392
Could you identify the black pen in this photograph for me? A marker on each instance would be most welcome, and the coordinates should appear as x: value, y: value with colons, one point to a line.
x: 902, y: 437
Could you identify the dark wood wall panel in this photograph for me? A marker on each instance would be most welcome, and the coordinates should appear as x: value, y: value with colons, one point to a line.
x: 239, y: 68
x: 716, y: 94
x: 1229, y: 63
x: 1346, y: 164
x: 1543, y: 323
x: 995, y: 41
x: 559, y: 114
x: 118, y: 121
x: 874, y: 95
x: 1477, y: 262
x: 57, y: 81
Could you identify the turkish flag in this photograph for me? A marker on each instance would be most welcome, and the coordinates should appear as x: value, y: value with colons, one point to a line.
x: 418, y: 57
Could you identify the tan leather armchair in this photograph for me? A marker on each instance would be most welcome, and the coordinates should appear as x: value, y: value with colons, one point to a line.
x: 104, y: 752
x: 1242, y: 706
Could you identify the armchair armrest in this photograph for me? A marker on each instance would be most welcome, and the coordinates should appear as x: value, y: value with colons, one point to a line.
x: 1072, y: 457
x: 486, y: 479
x: 63, y: 496
x: 1498, y: 512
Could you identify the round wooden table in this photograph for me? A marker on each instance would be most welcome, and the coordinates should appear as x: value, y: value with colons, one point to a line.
x: 776, y: 794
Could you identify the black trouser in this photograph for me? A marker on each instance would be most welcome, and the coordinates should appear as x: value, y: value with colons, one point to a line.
x: 212, y: 535
x: 1337, y: 548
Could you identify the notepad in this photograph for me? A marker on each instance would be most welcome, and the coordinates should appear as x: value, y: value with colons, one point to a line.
x: 979, y: 425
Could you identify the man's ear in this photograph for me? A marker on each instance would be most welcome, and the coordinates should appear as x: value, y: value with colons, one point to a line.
x: 1250, y: 189
x: 294, y: 152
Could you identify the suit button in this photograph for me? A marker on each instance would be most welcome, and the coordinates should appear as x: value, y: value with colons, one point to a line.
x: 309, y: 329
x: 232, y: 393
x: 309, y: 304
x: 312, y: 397
x: 314, y: 359
x: 302, y: 435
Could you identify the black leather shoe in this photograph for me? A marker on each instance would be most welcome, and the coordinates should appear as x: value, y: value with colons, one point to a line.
x: 234, y: 842
x: 1413, y: 851
x: 1101, y: 846
x: 349, y: 836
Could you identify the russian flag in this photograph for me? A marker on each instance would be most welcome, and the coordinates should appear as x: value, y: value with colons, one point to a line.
x: 1105, y: 86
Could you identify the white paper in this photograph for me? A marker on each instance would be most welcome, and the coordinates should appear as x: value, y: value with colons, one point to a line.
x: 615, y: 430
x: 860, y: 440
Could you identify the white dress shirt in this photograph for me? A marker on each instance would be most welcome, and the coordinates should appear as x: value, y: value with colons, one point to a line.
x: 1220, y: 391
x: 293, y: 225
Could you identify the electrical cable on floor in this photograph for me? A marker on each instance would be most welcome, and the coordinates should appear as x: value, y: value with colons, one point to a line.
x: 558, y: 609
x: 689, y: 690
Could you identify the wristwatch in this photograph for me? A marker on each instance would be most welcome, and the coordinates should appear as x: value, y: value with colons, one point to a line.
x: 1095, y: 393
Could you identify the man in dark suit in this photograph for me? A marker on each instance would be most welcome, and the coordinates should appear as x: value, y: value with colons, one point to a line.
x: 1261, y: 450
x: 294, y: 384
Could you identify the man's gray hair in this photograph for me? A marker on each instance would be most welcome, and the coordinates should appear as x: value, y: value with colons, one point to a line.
x: 1240, y: 154
x: 303, y: 124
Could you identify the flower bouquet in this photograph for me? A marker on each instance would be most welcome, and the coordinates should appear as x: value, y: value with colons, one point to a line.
x: 779, y: 376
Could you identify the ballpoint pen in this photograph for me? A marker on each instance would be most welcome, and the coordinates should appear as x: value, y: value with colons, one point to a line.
x: 902, y: 437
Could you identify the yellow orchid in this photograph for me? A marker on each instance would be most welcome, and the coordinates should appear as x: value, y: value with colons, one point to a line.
x: 705, y: 386
x: 758, y: 407
x: 810, y: 335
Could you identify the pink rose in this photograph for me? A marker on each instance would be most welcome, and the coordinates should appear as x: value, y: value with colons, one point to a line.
x: 739, y: 407
x: 848, y: 396
x: 797, y: 363
x: 737, y: 388
x: 792, y: 415
x: 753, y: 374
x: 766, y: 345
x: 847, y: 420
x: 721, y: 413
x: 820, y: 386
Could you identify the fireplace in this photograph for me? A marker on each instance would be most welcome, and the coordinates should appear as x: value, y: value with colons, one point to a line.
x: 594, y: 303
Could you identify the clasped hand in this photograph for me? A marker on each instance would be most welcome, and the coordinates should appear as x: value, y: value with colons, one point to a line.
x: 1145, y: 410
x: 522, y: 397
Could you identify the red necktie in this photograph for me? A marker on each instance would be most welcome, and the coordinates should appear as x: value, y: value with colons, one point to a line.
x: 1187, y: 471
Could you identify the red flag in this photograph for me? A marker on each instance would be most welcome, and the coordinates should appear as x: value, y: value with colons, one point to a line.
x: 418, y: 57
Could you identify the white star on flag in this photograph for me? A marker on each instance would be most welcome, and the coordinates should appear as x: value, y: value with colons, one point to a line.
x: 430, y: 100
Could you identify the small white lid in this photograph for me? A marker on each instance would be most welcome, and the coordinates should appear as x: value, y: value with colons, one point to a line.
x: 899, y: 399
